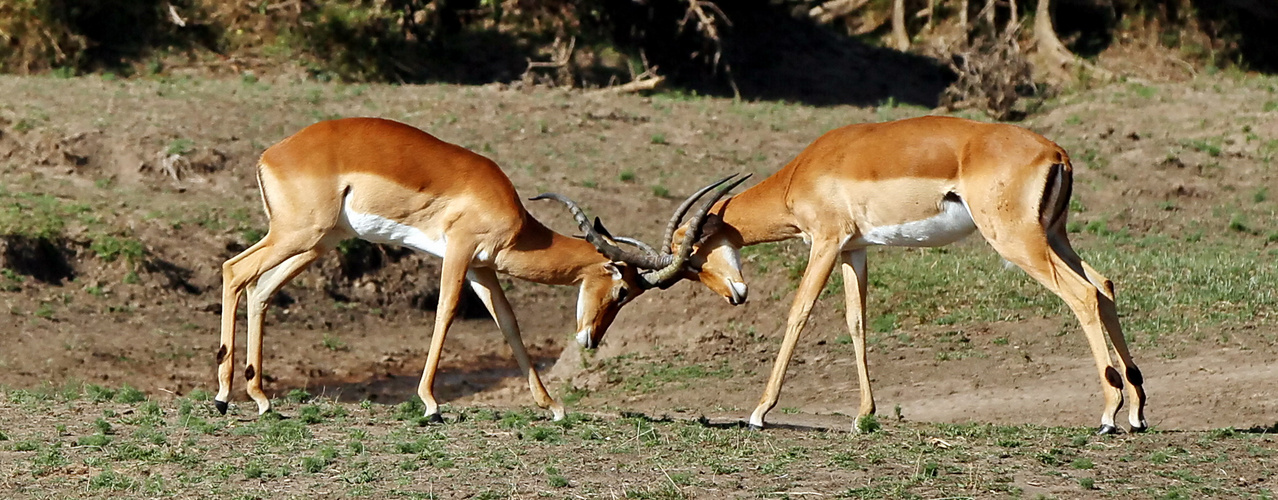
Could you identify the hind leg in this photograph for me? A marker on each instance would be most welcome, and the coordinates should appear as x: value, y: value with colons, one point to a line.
x: 235, y: 278
x: 1109, y: 319
x: 259, y: 296
x: 1026, y: 244
x: 854, y: 289
x: 242, y: 272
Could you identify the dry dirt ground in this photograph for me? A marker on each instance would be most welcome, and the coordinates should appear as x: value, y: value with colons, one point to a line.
x: 168, y: 163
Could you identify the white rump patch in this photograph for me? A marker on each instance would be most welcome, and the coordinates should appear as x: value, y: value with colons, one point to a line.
x: 952, y: 224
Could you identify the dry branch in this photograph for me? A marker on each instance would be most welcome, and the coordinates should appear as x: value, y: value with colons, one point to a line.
x: 648, y: 83
x: 829, y: 11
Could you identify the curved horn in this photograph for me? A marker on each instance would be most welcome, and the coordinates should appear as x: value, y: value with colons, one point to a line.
x: 650, y: 260
x: 635, y: 243
x: 662, y: 278
x: 673, y: 225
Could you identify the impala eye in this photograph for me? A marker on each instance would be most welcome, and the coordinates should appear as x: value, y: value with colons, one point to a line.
x: 622, y: 293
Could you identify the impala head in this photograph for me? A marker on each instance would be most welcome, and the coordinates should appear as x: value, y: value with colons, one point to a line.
x: 629, y: 273
x: 716, y: 262
x: 605, y: 288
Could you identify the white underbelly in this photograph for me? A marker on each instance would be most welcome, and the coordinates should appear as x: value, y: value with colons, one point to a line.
x: 377, y: 229
x: 952, y: 224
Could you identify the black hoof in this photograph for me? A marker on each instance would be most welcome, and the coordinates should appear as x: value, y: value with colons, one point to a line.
x: 1106, y: 429
x: 435, y: 418
x: 1138, y: 430
x: 220, y: 405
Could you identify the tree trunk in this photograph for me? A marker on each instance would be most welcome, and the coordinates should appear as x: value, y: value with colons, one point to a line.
x: 931, y: 15
x: 990, y: 20
x: 1049, y: 45
x: 1014, y: 18
x: 900, y: 39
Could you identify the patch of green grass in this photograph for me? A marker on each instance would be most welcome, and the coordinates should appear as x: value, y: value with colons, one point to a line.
x: 48, y: 458
x: 650, y: 376
x: 109, y: 248
x: 1211, y: 146
x: 103, y: 426
x: 39, y: 216
x: 868, y: 424
x: 883, y: 323
x: 332, y: 343
x: 26, y: 445
x: 298, y: 396
x: 276, y: 432
x: 128, y: 394
x: 326, y: 456
x: 1082, y: 463
x: 45, y: 311
x: 111, y: 480
x: 96, y: 440
x: 179, y: 146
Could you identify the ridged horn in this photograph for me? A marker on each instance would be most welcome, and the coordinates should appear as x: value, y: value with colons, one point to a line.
x: 677, y: 219
x: 668, y: 275
x: 646, y: 260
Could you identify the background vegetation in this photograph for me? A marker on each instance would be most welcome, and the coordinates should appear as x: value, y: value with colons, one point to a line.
x: 710, y: 46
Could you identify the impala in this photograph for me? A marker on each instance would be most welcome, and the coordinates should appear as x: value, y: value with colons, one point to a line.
x: 918, y: 182
x: 387, y: 182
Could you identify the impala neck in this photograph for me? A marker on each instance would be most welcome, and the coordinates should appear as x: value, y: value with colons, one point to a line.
x: 541, y: 255
x: 759, y: 214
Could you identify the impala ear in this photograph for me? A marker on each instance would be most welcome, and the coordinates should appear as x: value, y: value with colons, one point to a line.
x: 599, y: 228
x: 613, y: 267
x: 712, y: 225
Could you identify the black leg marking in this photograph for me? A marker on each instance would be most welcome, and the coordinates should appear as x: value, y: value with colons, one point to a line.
x: 1111, y: 375
x: 1106, y: 429
x: 221, y: 354
x: 249, y: 373
x: 1134, y: 376
x: 220, y: 405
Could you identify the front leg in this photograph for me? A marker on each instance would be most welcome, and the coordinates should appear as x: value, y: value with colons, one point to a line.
x: 821, y: 262
x: 456, y: 260
x: 488, y: 288
x: 854, y: 288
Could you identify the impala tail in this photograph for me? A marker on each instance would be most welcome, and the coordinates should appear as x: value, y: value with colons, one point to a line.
x: 1060, y: 185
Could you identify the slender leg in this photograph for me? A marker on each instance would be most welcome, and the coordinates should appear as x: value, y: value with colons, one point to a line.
x: 488, y: 288
x: 1027, y: 246
x: 854, y: 288
x: 259, y: 296
x: 232, y: 288
x: 456, y: 259
x: 821, y: 262
x: 238, y: 273
x: 1109, y: 320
